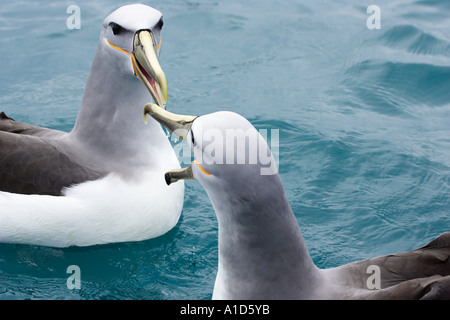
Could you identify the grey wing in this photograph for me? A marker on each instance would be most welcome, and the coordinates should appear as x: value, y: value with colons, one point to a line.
x: 438, y: 290
x: 8, y: 124
x: 421, y: 273
x: 29, y: 164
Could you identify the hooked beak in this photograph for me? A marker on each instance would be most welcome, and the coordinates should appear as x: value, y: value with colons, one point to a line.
x: 147, y: 66
x: 180, y: 174
x: 180, y: 126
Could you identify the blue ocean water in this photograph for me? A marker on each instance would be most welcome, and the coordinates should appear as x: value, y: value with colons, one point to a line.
x: 363, y: 118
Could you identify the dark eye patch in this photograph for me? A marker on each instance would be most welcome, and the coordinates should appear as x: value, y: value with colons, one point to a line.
x: 116, y: 29
x: 192, y: 138
x: 160, y: 24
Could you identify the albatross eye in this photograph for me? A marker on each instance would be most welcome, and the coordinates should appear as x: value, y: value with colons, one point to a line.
x: 116, y: 29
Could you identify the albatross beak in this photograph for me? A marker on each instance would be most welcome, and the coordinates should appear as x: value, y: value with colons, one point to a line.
x: 147, y: 66
x: 180, y: 174
x: 180, y: 126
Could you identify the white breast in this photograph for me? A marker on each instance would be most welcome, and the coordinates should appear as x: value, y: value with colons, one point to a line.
x: 107, y: 210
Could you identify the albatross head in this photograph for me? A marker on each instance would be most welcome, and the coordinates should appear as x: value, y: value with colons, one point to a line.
x: 131, y: 36
x: 226, y: 146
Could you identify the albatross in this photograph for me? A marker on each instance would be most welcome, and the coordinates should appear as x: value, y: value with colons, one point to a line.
x: 262, y: 253
x: 101, y: 182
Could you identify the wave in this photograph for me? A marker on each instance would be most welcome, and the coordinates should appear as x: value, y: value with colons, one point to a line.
x: 414, y: 40
x: 392, y: 87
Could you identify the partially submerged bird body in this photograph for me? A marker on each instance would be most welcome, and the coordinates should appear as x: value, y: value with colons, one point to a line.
x: 103, y: 181
x: 262, y: 253
x: 423, y: 273
x: 104, y: 208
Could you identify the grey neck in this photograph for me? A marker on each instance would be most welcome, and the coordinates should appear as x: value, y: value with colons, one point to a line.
x: 110, y: 119
x: 262, y: 254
